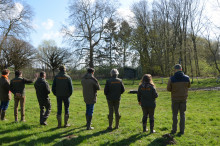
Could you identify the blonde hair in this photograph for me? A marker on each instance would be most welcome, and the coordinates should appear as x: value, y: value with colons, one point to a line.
x: 147, y: 78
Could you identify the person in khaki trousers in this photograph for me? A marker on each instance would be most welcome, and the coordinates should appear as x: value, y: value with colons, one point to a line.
x: 17, y: 87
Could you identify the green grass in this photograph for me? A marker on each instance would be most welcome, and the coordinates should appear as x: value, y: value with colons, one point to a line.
x: 202, y: 120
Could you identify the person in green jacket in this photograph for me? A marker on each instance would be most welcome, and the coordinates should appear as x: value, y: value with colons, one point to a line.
x: 62, y: 88
x: 90, y: 86
x: 147, y: 95
x: 113, y: 90
x: 43, y: 90
x: 17, y: 87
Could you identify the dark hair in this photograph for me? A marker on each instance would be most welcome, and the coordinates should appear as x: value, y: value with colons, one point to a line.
x: 5, y: 71
x: 42, y: 73
x: 90, y: 70
x: 17, y: 73
x: 147, y: 78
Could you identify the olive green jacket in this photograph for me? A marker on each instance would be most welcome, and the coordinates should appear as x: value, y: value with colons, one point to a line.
x: 4, y: 89
x: 42, y: 89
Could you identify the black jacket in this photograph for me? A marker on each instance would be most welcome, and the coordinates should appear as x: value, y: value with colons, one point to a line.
x: 42, y: 89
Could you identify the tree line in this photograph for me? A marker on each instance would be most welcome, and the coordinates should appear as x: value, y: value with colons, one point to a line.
x: 155, y: 37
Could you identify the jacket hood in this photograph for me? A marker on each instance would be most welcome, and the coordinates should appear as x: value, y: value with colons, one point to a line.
x: 146, y: 85
x: 179, y: 75
x: 39, y: 81
x: 88, y: 76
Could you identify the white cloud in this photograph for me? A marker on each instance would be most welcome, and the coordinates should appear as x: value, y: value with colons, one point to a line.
x: 125, y: 13
x: 48, y: 24
x: 52, y: 35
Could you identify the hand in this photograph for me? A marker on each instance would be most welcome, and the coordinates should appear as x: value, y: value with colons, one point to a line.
x: 139, y: 103
x: 17, y: 94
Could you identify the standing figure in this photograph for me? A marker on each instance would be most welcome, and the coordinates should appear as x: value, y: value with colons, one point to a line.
x: 17, y: 87
x: 147, y: 95
x: 62, y: 88
x: 178, y: 86
x: 113, y: 90
x: 90, y: 86
x: 43, y: 90
x: 5, y: 95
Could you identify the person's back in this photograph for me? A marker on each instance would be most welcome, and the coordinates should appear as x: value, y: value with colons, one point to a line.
x: 4, y: 89
x: 42, y: 88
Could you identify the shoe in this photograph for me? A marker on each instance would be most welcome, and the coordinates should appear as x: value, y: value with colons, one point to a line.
x: 44, y: 123
x: 152, y: 131
x: 172, y: 132
x: 66, y: 117
x: 59, y: 121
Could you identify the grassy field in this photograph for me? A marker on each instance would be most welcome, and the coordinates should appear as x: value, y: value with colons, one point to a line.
x: 202, y: 120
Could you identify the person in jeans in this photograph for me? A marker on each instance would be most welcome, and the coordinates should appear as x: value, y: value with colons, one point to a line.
x: 113, y: 90
x: 147, y: 95
x: 178, y: 86
x: 17, y: 87
x: 5, y: 95
x: 43, y: 90
x: 90, y: 86
x: 62, y: 88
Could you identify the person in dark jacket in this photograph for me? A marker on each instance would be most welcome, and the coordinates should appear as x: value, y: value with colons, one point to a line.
x: 178, y: 86
x: 147, y: 95
x: 17, y: 87
x: 5, y: 95
x: 90, y: 86
x: 62, y: 88
x: 43, y: 90
x: 113, y: 90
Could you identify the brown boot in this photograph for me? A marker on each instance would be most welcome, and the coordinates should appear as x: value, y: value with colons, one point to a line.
x: 66, y: 117
x: 110, y: 120
x: 59, y: 121
x: 3, y: 115
x: 117, y: 118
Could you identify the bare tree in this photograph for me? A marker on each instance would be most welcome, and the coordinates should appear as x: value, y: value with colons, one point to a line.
x: 88, y: 18
x: 17, y: 53
x: 15, y: 20
x: 53, y: 56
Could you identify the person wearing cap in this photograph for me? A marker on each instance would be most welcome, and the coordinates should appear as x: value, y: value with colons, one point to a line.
x: 178, y: 86
x: 114, y: 87
x: 5, y: 95
x: 43, y: 90
x: 62, y: 88
x: 17, y: 87
x: 90, y: 86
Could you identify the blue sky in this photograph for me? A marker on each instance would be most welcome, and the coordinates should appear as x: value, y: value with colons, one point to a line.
x: 51, y: 14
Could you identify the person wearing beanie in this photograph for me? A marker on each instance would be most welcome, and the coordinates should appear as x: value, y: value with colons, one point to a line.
x: 90, y: 86
x: 114, y: 87
x: 178, y: 86
x: 17, y: 87
x: 62, y: 88
x: 5, y: 95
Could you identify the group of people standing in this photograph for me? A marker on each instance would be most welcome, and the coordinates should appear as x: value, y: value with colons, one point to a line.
x: 62, y: 88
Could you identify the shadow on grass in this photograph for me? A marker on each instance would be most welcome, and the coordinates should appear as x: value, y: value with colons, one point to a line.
x: 79, y: 139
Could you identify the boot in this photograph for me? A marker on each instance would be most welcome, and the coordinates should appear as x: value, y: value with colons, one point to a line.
x: 117, y: 118
x: 0, y: 113
x: 89, y: 120
x: 152, y: 126
x: 16, y: 119
x: 66, y: 117
x: 59, y: 121
x: 110, y: 120
x: 23, y: 119
x: 3, y: 115
x: 144, y: 121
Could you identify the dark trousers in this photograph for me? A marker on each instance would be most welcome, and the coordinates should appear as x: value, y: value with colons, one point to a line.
x: 44, y: 104
x: 113, y: 106
x: 20, y: 99
x: 178, y: 106
x: 4, y: 105
x: 66, y: 101
x: 147, y: 111
x: 89, y: 109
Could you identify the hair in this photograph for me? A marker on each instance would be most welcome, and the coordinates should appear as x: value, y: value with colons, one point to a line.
x: 18, y: 73
x: 90, y: 70
x: 5, y: 71
x: 114, y: 72
x: 178, y: 67
x: 42, y: 74
x: 62, y: 68
x: 147, y: 78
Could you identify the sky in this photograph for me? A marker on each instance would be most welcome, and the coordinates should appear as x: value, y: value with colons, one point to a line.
x: 49, y: 15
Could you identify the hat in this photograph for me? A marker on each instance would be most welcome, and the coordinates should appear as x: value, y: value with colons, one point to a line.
x: 62, y: 68
x: 177, y: 66
x: 114, y: 72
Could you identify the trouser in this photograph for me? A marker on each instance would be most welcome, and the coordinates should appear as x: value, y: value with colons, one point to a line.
x: 113, y: 106
x: 89, y: 109
x: 44, y: 104
x: 66, y: 101
x: 22, y: 104
x: 4, y: 105
x: 178, y: 106
x: 148, y: 111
